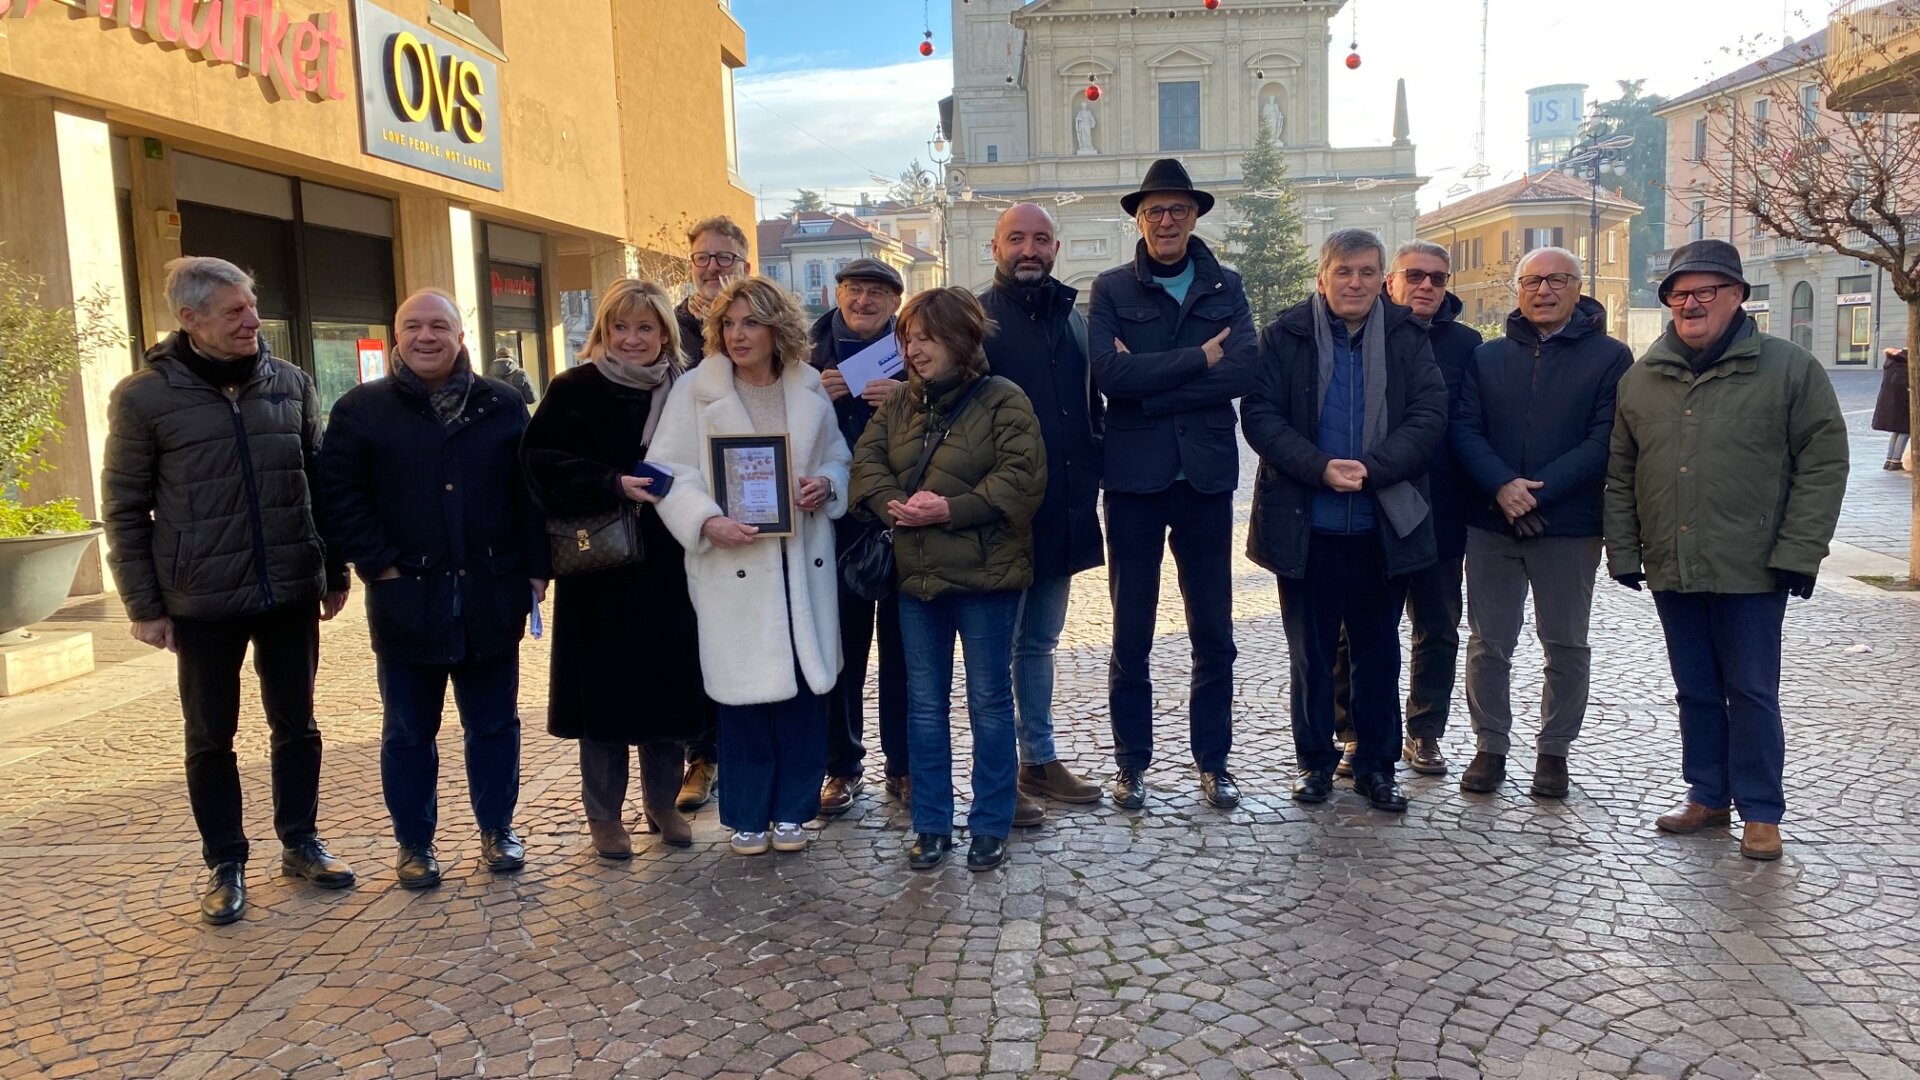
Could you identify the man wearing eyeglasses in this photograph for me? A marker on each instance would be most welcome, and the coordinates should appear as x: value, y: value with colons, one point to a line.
x: 1535, y: 413
x: 1727, y: 469
x: 717, y: 249
x: 1346, y: 417
x: 1173, y: 344
x: 1418, y: 282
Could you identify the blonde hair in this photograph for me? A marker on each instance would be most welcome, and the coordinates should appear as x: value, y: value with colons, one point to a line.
x: 623, y: 300
x: 774, y: 308
x: 952, y: 317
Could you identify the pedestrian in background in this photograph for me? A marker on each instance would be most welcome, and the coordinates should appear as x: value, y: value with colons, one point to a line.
x: 207, y: 497
x: 626, y: 658
x: 955, y: 466
x: 767, y: 607
x: 1724, y: 483
x: 1893, y: 409
x: 421, y: 490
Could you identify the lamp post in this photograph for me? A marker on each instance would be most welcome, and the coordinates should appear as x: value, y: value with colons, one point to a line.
x: 938, y: 151
x: 1599, y: 153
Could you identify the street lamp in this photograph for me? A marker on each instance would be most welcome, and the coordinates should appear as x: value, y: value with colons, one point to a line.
x: 1600, y: 153
x: 938, y: 153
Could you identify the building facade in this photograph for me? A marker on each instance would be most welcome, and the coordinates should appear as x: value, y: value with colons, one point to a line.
x: 1488, y: 233
x: 803, y: 251
x: 347, y: 152
x: 1835, y: 306
x: 1193, y: 87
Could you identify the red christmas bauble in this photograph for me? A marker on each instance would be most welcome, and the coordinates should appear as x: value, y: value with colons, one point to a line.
x: 1212, y: 4
x: 926, y: 48
x: 1353, y: 61
x: 1093, y: 93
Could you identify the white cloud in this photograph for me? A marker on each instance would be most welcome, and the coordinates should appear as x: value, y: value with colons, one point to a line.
x: 871, y: 120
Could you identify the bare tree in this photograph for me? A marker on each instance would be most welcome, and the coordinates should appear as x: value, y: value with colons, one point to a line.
x: 1802, y: 171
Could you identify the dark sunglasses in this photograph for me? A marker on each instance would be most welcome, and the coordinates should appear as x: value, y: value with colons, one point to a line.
x: 1417, y: 278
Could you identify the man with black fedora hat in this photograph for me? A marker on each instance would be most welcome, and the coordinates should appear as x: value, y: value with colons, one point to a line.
x: 1727, y: 467
x: 1173, y: 345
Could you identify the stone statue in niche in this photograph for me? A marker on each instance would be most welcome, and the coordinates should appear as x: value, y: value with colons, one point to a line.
x: 1276, y: 119
x: 1083, y: 123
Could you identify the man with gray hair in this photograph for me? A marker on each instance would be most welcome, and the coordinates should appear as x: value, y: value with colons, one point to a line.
x: 1535, y: 416
x: 1347, y: 414
x: 209, y: 476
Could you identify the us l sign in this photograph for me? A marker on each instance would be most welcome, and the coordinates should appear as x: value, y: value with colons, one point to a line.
x: 426, y: 101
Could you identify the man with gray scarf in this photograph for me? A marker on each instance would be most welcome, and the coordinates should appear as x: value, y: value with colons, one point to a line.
x: 1349, y: 410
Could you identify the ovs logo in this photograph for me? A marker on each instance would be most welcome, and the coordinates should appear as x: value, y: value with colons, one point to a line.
x: 424, y: 85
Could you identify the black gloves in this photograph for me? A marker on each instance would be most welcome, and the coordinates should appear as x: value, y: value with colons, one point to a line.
x: 1529, y: 525
x: 1631, y: 581
x: 1797, y: 584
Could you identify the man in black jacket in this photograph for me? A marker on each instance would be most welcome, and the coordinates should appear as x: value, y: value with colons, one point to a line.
x: 1042, y: 347
x: 1173, y: 344
x: 1536, y: 414
x: 236, y: 562
x: 1348, y: 412
x: 717, y: 251
x: 1418, y: 282
x: 421, y: 490
x: 866, y: 294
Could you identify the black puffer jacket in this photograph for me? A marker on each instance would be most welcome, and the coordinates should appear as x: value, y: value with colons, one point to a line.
x: 208, y: 499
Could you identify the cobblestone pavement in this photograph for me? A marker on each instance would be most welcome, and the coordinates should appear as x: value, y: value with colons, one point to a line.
x: 1475, y: 936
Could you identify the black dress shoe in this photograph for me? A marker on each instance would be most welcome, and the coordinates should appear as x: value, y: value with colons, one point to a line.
x: 1485, y: 773
x: 226, y: 897
x: 986, y: 852
x: 1423, y: 753
x: 1312, y: 786
x: 502, y: 850
x: 417, y: 868
x: 1221, y: 792
x: 1381, y: 792
x: 1130, y: 789
x: 929, y: 850
x: 1550, y: 776
x: 310, y: 859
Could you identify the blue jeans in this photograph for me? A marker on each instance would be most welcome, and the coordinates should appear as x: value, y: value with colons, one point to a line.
x: 1036, y: 634
x: 1724, y: 649
x: 413, y: 696
x: 985, y: 623
x: 773, y: 759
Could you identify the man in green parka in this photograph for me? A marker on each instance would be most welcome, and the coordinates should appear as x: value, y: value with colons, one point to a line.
x: 1728, y: 464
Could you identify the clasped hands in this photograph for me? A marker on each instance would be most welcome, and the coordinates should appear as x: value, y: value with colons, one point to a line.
x: 923, y: 508
x: 1344, y: 474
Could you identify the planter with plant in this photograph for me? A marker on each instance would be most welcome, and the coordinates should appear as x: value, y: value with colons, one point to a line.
x: 41, y: 349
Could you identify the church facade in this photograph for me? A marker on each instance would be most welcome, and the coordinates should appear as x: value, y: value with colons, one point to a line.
x: 1193, y: 86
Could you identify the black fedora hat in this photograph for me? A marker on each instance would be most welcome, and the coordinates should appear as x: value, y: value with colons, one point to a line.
x: 1166, y: 174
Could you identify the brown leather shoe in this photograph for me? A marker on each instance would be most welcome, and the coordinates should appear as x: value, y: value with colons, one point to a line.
x: 610, y: 839
x: 900, y: 789
x: 1055, y: 781
x: 1423, y: 753
x: 838, y: 793
x: 1027, y: 812
x: 1759, y: 840
x: 1691, y: 817
x: 697, y: 790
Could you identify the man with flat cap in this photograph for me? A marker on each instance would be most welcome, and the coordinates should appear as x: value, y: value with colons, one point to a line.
x: 1173, y: 345
x: 1728, y: 463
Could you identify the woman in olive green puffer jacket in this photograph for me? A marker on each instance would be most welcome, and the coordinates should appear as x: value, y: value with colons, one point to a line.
x: 963, y: 552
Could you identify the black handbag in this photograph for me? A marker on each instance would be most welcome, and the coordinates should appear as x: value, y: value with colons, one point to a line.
x: 593, y: 542
x: 866, y: 565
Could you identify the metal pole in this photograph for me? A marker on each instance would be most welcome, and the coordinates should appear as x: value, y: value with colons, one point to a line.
x: 1593, y: 232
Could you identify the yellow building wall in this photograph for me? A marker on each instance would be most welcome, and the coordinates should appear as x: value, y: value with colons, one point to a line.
x: 1486, y: 289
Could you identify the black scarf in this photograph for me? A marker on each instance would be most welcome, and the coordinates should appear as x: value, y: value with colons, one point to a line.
x: 847, y: 343
x: 217, y: 373
x: 1700, y: 360
x: 450, y: 400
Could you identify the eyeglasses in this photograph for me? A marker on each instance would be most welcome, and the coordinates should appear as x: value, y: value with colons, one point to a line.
x: 1556, y: 282
x: 1703, y: 295
x: 1175, y: 214
x: 725, y: 260
x: 1417, y: 278
x: 867, y: 292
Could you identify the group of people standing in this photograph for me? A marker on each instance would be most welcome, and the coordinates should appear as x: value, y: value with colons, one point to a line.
x: 1404, y: 465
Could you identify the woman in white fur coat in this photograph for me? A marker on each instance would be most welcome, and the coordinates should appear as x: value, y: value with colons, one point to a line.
x: 767, y: 606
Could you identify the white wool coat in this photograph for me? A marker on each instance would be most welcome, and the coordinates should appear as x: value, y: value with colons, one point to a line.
x: 748, y: 646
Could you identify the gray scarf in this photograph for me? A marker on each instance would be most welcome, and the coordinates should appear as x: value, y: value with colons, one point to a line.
x: 656, y: 378
x: 1402, y: 503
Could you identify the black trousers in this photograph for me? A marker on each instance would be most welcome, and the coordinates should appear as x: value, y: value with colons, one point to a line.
x: 286, y: 654
x: 1345, y: 585
x: 1435, y: 604
x: 847, y: 703
x: 1199, y: 528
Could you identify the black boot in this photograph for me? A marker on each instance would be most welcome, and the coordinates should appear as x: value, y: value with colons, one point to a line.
x: 929, y: 850
x: 1550, y: 776
x: 986, y: 852
x: 1484, y: 774
x: 225, y: 900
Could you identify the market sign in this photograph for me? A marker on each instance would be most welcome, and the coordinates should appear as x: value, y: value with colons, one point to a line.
x: 513, y: 286
x: 297, y: 59
x: 425, y: 101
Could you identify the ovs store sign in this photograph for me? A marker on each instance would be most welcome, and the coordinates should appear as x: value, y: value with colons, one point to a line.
x: 425, y: 101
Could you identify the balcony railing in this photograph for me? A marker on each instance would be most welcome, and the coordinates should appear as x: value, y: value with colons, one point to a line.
x: 1789, y: 249
x: 1873, y: 56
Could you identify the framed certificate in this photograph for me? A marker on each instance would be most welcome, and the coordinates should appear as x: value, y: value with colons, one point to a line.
x: 753, y: 480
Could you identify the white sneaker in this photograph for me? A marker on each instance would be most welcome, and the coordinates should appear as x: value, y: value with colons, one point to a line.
x: 788, y: 836
x: 748, y: 843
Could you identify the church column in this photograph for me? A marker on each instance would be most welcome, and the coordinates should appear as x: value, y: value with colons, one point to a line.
x: 1046, y: 103
x: 1127, y: 139
x: 1233, y: 84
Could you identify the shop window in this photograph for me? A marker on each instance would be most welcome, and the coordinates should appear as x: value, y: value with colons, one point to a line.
x: 476, y: 22
x: 1801, y: 327
x: 1179, y: 116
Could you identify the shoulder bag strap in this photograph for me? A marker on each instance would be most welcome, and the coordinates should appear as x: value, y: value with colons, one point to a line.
x: 931, y: 440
